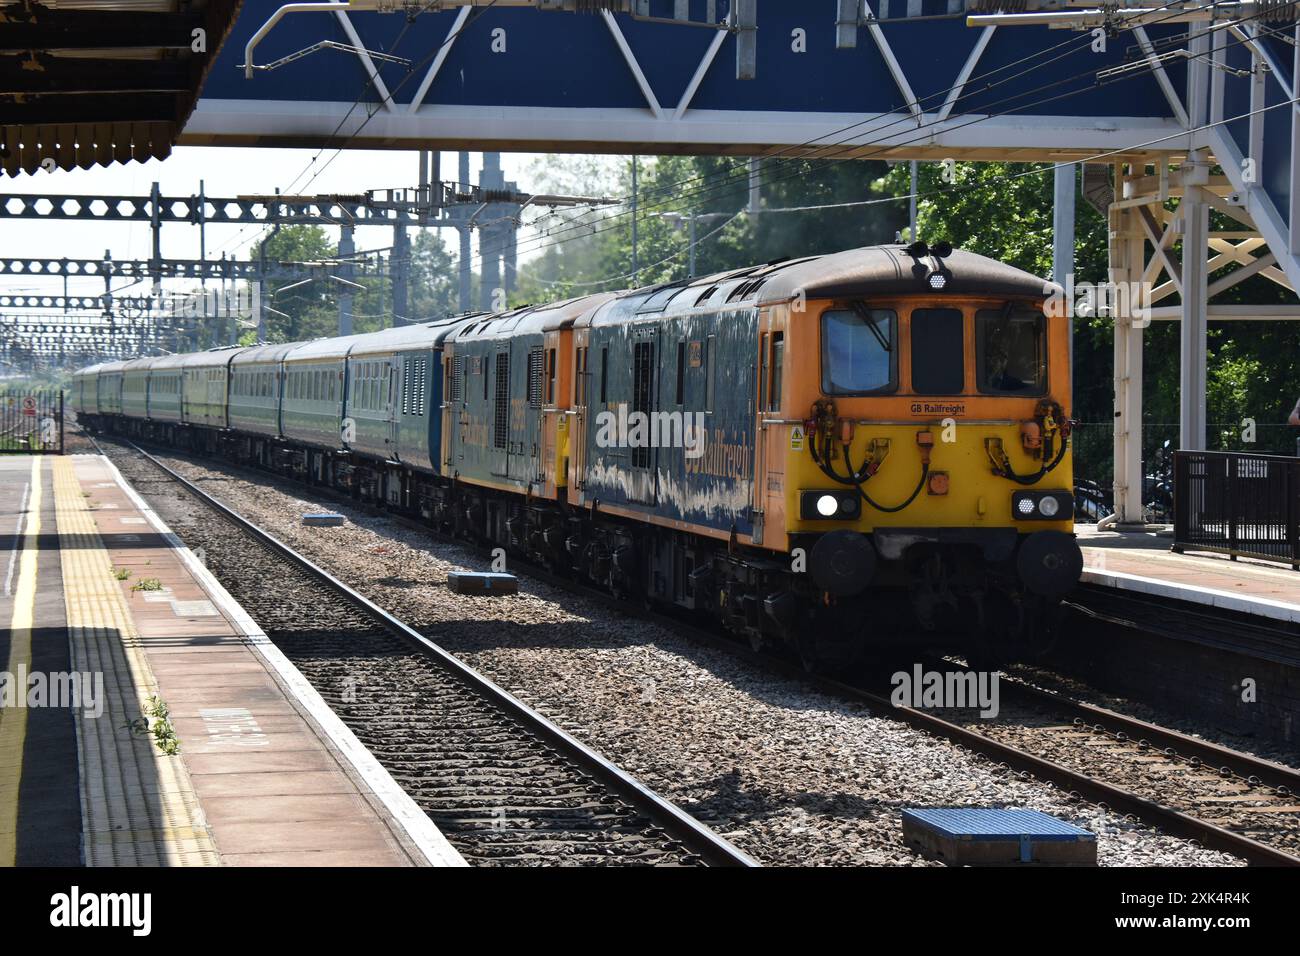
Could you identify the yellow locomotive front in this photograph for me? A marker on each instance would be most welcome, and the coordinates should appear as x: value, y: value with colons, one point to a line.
x: 915, y: 442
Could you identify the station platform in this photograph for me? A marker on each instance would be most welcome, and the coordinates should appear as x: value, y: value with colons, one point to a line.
x: 144, y: 717
x: 1142, y: 561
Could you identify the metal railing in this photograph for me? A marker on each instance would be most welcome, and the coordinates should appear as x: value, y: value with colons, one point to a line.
x: 1238, y: 504
x: 31, y: 421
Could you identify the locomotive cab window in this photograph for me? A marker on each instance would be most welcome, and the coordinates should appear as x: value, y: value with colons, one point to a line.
x: 551, y: 372
x: 1011, y: 351
x: 858, y: 354
x: 938, y: 352
x: 778, y: 359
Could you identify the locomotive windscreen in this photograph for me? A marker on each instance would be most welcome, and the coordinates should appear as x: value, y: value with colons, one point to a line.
x: 858, y: 351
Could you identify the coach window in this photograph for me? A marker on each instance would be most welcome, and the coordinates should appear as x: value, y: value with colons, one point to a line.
x: 858, y: 351
x: 1011, y: 351
x: 938, y: 352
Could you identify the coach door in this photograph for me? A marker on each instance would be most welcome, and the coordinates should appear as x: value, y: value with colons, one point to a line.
x: 396, y: 383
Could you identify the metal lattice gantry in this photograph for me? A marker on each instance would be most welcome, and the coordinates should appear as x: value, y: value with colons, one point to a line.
x: 493, y: 208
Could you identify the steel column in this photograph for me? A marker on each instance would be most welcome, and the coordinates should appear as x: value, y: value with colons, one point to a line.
x: 1195, y: 215
x: 347, y: 248
x: 1063, y: 191
x: 1127, y: 260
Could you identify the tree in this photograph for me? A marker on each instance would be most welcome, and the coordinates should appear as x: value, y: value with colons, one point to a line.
x: 589, y: 250
x: 309, y: 310
x: 434, y: 279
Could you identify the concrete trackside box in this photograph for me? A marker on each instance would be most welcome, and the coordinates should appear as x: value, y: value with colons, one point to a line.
x: 482, y: 582
x: 976, y: 836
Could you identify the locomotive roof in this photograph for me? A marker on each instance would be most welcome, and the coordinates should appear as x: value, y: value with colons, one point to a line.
x: 890, y: 270
x: 532, y: 319
x: 854, y: 273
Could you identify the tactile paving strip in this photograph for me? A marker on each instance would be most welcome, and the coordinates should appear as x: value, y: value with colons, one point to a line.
x: 138, y: 805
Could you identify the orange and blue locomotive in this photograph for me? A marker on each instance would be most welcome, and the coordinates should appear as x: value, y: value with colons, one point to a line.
x: 834, y: 453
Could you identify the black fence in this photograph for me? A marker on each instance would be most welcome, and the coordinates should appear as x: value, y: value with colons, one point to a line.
x: 31, y: 421
x: 1238, y: 504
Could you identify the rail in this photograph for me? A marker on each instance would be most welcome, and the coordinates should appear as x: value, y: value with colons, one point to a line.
x: 689, y: 832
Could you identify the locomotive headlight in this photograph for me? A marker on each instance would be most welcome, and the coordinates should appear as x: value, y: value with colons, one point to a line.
x: 827, y: 505
x: 1041, y: 505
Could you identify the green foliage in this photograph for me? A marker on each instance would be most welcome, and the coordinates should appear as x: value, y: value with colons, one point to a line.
x: 311, y: 310
x: 586, y: 247
x: 434, y: 282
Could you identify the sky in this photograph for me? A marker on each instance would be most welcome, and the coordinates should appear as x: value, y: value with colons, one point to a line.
x: 225, y: 172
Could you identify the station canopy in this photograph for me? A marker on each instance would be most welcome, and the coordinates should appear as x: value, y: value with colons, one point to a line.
x: 92, y: 82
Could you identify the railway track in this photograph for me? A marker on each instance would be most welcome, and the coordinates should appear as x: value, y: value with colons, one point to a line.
x: 1222, y: 797
x: 1234, y: 832
x: 505, y: 785
x: 1276, y: 786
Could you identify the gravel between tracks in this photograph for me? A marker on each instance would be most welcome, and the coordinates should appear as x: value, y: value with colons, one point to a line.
x: 790, y: 775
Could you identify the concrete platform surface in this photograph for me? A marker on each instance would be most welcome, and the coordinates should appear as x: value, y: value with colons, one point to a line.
x: 1143, y: 562
x: 183, y: 736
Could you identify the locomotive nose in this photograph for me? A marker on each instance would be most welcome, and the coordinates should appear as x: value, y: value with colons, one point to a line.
x: 1050, y: 563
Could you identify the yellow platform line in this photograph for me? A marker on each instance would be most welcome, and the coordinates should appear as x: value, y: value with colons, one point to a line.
x: 138, y: 806
x: 13, y: 720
